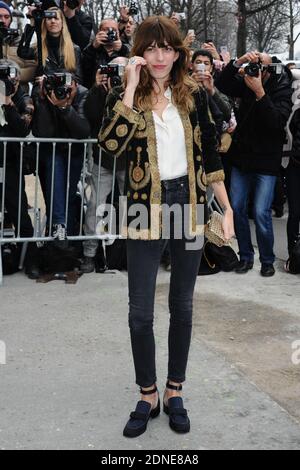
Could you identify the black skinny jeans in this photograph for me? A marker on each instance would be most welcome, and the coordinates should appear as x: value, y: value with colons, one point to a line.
x: 293, y: 190
x: 143, y: 263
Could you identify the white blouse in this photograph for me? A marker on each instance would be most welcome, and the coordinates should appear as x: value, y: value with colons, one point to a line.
x: 171, y: 150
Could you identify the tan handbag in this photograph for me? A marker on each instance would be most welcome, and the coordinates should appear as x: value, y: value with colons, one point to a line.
x: 214, y: 230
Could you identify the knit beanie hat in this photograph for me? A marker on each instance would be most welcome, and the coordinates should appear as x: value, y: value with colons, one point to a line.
x: 6, y: 7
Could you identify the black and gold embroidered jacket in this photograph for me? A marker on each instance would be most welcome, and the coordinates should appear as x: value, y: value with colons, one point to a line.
x: 131, y: 134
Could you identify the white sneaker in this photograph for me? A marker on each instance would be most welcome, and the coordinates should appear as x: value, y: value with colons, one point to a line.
x: 59, y: 232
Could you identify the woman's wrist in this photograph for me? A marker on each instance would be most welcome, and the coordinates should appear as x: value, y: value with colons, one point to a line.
x: 227, y: 210
x: 128, y: 98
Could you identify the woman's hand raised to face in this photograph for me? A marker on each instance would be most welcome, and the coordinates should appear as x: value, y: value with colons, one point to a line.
x: 133, y: 71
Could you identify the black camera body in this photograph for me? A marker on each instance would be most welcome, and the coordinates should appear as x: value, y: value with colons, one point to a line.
x: 114, y: 71
x: 8, y: 76
x: 133, y: 10
x: 72, y: 4
x: 7, y: 33
x: 112, y: 35
x: 253, y: 69
x: 60, y: 83
x: 40, y: 13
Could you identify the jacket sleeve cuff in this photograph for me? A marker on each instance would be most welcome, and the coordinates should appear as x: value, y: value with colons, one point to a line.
x: 215, y: 177
x: 127, y: 113
x: 263, y: 101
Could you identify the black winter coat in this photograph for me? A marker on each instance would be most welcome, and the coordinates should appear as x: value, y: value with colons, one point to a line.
x: 295, y: 130
x: 80, y: 27
x: 71, y: 123
x: 16, y: 126
x: 260, y: 135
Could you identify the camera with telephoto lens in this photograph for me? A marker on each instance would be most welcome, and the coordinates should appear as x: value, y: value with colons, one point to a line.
x: 59, y: 83
x: 133, y: 10
x: 72, y: 4
x: 40, y: 13
x: 7, y: 33
x: 112, y: 35
x: 253, y: 69
x: 8, y: 76
x: 114, y: 71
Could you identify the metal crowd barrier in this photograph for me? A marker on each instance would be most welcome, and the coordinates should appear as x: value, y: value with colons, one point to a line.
x: 8, y: 235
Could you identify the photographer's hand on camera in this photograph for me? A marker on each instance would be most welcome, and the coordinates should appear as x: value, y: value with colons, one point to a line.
x: 63, y: 104
x: 206, y: 80
x: 255, y: 84
x: 30, y: 14
x: 208, y: 83
x: 124, y: 14
x: 100, y: 39
x: 210, y: 47
x: 252, y: 56
x: 103, y: 80
x: 117, y: 45
x: 189, y: 39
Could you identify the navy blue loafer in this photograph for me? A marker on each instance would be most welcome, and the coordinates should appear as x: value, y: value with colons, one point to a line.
x: 178, y: 417
x: 139, y: 418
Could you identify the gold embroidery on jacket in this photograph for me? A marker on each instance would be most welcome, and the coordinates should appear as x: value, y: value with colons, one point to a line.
x: 139, y: 178
x: 215, y: 176
x: 122, y: 130
x: 188, y: 132
x: 201, y: 179
x: 138, y: 173
x: 142, y: 124
x: 111, y: 145
x: 155, y: 196
x: 197, y: 136
x: 105, y: 132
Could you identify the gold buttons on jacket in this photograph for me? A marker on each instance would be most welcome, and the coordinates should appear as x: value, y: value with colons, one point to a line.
x: 112, y: 145
x: 122, y: 130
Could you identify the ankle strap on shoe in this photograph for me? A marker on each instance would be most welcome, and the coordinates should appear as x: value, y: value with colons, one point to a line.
x: 178, y: 388
x: 148, y: 392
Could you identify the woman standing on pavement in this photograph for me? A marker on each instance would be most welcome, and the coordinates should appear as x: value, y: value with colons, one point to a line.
x: 171, y: 157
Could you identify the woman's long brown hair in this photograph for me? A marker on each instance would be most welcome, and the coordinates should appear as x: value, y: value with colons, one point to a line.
x: 160, y: 30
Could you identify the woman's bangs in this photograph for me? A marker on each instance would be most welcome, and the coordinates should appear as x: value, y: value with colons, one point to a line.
x: 163, y: 36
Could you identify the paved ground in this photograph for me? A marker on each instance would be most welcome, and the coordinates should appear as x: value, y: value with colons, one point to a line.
x: 68, y: 380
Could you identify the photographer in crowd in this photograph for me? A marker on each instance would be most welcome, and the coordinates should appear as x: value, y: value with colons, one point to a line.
x: 79, y: 23
x: 203, y: 73
x: 9, y: 42
x: 127, y: 25
x: 59, y: 103
x: 106, y: 46
x: 221, y: 107
x: 106, y: 78
x: 16, y: 111
x: 265, y: 95
x: 58, y: 50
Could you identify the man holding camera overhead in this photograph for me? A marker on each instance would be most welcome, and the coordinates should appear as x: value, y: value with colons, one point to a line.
x: 264, y: 89
x: 128, y: 24
x: 79, y: 23
x: 9, y: 40
x: 106, y: 46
